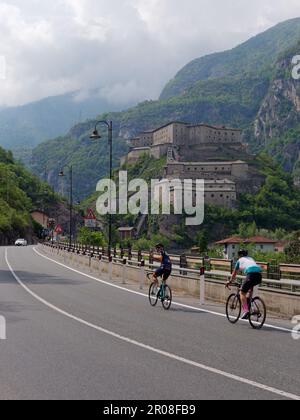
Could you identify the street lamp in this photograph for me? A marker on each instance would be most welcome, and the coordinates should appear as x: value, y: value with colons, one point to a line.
x: 97, y: 136
x: 62, y: 174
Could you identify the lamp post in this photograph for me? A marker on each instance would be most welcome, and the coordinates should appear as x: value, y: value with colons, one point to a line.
x: 62, y: 174
x: 97, y: 136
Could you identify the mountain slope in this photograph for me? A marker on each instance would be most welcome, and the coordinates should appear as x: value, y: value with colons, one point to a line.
x: 254, y: 55
x: 27, y: 126
x: 243, y: 98
x: 90, y: 159
x: 20, y: 194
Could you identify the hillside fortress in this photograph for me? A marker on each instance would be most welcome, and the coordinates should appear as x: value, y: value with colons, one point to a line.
x: 215, y: 154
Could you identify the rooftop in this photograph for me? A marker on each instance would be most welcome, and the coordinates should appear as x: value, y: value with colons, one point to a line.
x: 236, y: 162
x: 214, y: 127
x: 191, y: 126
x: 236, y: 240
x: 126, y: 229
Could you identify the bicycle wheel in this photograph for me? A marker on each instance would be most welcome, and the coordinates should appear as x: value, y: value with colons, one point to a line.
x: 233, y: 308
x: 166, y: 300
x: 153, y: 294
x: 258, y: 313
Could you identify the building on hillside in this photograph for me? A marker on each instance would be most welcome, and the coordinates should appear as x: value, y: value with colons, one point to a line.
x: 232, y: 170
x: 281, y: 246
x: 199, y: 141
x: 216, y: 192
x: 127, y: 233
x: 215, y: 154
x: 220, y: 192
x: 234, y: 244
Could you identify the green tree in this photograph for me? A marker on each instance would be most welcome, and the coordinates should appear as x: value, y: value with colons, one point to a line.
x: 88, y: 237
x: 202, y: 242
x: 293, y: 249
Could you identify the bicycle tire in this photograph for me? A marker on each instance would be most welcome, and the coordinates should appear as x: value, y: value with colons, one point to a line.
x: 258, y: 313
x: 233, y: 304
x: 167, y: 300
x: 153, y: 294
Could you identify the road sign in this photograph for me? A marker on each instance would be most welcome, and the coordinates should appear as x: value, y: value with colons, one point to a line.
x: 90, y: 220
x: 90, y: 215
x: 90, y: 223
x: 51, y: 223
x: 58, y: 230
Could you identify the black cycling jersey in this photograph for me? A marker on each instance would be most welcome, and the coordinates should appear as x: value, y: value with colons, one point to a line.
x: 166, y: 263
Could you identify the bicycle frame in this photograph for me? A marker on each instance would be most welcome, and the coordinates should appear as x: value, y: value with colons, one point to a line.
x: 252, y: 302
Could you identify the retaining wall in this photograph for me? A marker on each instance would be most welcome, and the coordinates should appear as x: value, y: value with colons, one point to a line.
x: 279, y: 303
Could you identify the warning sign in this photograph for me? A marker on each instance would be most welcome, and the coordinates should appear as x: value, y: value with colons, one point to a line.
x: 58, y: 230
x: 90, y: 215
x: 90, y: 219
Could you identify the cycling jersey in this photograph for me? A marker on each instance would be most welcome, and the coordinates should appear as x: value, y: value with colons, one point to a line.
x: 248, y: 266
x: 166, y: 263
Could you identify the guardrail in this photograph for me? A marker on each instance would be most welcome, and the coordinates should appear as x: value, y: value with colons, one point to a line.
x: 216, y: 270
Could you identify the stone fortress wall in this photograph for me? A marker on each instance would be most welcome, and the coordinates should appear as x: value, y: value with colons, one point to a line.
x: 215, y: 154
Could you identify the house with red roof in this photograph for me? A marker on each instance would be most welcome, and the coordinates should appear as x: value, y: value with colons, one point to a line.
x: 234, y: 244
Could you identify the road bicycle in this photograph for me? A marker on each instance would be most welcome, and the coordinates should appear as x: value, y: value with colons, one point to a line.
x: 160, y: 292
x: 258, y: 310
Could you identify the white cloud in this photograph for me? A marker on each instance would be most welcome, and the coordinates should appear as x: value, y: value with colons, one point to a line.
x: 126, y: 48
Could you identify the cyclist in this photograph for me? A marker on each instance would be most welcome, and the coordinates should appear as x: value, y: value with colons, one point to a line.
x: 253, y: 272
x: 165, y: 269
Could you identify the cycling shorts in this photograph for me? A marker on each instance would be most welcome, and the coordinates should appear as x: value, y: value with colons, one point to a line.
x: 252, y: 280
x: 163, y: 273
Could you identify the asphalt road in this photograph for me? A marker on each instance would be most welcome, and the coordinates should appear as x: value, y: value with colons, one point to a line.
x: 71, y: 337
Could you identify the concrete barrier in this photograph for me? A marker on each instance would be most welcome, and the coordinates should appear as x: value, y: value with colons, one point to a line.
x: 279, y: 303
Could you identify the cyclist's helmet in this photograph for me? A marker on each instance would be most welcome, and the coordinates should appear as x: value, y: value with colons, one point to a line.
x: 243, y: 253
x: 159, y: 246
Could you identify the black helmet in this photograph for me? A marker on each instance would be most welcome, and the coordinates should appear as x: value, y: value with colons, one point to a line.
x: 159, y: 246
x: 243, y: 253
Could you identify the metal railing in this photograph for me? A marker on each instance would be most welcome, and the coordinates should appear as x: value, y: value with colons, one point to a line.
x: 286, y: 279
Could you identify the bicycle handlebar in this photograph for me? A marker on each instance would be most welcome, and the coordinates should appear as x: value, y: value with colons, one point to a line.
x: 227, y: 286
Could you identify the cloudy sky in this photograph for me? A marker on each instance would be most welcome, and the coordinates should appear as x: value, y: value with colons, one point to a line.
x: 127, y: 48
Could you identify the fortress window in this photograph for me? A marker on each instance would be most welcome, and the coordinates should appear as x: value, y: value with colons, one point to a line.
x: 221, y: 195
x: 213, y: 196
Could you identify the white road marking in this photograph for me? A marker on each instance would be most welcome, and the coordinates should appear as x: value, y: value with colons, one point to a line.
x: 149, y: 348
x: 181, y: 305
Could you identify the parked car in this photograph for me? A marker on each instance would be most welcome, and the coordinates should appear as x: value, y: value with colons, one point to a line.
x: 21, y: 242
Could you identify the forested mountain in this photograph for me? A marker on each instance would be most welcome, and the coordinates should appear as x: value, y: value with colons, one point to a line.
x: 257, y: 54
x: 20, y: 194
x: 26, y: 126
x: 250, y: 87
